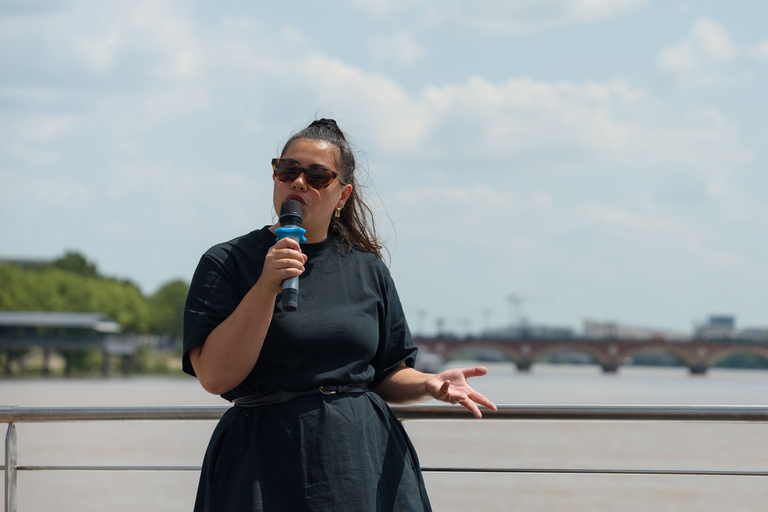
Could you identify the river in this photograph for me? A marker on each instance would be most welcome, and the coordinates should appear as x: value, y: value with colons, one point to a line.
x: 533, y: 444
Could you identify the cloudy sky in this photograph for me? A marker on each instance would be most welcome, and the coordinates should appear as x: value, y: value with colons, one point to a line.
x: 599, y: 159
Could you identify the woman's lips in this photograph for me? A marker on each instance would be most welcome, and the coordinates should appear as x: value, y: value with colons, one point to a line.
x: 297, y: 198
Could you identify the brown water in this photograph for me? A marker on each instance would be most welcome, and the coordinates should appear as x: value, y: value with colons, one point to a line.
x: 531, y: 444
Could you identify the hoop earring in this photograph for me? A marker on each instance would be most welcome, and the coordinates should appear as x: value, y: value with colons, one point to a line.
x: 337, y: 213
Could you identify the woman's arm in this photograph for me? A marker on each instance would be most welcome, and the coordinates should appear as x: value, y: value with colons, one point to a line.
x: 406, y: 385
x: 232, y: 348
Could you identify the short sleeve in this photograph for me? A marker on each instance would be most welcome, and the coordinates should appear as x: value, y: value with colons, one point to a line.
x: 395, y: 340
x: 213, y: 296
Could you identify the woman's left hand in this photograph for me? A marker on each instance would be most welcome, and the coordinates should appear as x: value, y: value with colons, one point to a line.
x: 451, y: 386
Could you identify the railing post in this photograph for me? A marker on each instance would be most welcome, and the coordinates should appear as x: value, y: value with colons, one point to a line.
x: 10, y: 468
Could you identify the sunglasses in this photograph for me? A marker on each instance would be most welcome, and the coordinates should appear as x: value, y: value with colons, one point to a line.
x: 316, y: 176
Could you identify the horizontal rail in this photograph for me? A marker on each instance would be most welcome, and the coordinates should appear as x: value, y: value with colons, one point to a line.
x: 106, y: 468
x: 621, y: 412
x: 428, y: 469
x: 111, y: 413
x: 586, y: 471
x: 701, y: 413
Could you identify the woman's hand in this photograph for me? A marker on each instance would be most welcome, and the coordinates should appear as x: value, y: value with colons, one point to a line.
x: 284, y: 260
x: 451, y: 386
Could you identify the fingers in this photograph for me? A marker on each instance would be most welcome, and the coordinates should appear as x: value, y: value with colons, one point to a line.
x: 284, y: 260
x: 469, y: 403
x: 287, y: 242
x: 286, y: 254
x: 468, y: 398
x: 449, y: 394
x: 480, y: 399
x: 442, y: 393
x: 472, y: 407
x: 477, y: 371
x: 465, y: 395
x: 451, y: 386
x: 288, y: 258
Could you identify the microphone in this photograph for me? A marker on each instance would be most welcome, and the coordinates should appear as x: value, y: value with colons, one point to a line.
x: 290, y: 227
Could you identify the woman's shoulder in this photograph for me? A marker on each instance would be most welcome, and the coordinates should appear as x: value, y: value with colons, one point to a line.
x: 357, y: 253
x: 373, y: 263
x: 244, y: 246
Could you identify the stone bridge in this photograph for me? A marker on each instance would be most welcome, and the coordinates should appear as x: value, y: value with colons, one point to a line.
x: 697, y: 355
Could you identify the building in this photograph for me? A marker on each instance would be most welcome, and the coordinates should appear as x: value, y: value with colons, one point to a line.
x: 723, y: 327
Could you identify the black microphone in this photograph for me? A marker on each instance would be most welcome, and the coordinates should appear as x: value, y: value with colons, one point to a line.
x: 290, y: 227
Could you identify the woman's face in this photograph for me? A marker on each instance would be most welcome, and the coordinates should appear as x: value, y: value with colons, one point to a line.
x: 317, y: 206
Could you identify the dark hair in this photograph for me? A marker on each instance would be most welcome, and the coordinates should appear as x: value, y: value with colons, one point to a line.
x: 355, y: 225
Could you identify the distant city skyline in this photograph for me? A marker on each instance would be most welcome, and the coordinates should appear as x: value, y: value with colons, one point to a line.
x: 607, y: 156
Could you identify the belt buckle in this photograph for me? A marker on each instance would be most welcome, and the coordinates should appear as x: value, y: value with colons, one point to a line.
x: 328, y: 391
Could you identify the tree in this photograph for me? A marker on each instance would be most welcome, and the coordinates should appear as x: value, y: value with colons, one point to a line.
x: 53, y: 289
x: 167, y: 308
x: 72, y: 283
x: 75, y: 262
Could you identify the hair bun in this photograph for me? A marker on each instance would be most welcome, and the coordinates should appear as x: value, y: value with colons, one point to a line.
x: 328, y: 124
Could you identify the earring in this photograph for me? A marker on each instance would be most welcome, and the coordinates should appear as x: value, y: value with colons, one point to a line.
x: 337, y: 213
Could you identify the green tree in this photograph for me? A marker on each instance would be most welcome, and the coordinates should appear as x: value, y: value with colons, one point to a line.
x: 53, y: 289
x: 167, y: 308
x: 73, y: 261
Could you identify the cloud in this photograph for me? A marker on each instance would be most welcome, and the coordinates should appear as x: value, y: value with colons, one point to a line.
x: 151, y: 136
x: 388, y: 7
x: 398, y: 48
x: 47, y: 128
x: 459, y: 240
x: 707, y: 57
x: 32, y: 138
x: 189, y: 70
x: 758, y: 51
x: 500, y: 17
x: 30, y: 94
x: 469, y: 205
x: 397, y: 121
x: 505, y: 215
x: 610, y: 125
x: 23, y: 194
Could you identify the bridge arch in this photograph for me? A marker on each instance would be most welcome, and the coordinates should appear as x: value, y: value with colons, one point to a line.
x: 677, y: 355
x: 697, y: 355
x: 596, y: 356
x: 452, y: 351
x: 756, y: 351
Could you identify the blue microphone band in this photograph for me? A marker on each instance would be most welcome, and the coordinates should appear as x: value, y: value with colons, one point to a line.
x: 294, y: 232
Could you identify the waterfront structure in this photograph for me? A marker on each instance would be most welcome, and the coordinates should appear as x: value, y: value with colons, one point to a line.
x: 595, y: 329
x: 723, y: 327
x: 526, y: 330
x: 610, y: 353
x: 65, y: 332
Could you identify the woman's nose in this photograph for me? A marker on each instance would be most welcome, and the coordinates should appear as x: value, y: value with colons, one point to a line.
x: 300, y: 182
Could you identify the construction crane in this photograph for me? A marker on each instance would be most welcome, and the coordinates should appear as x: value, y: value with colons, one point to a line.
x: 516, y: 309
x: 516, y: 302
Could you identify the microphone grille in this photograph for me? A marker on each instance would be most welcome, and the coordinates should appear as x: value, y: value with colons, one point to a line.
x: 290, y: 213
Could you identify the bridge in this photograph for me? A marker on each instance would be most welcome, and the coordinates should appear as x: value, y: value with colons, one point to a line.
x: 697, y: 354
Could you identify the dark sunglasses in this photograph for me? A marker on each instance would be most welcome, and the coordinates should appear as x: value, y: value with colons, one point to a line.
x: 316, y: 176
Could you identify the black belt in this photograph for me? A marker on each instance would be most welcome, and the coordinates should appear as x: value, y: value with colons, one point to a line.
x: 275, y: 397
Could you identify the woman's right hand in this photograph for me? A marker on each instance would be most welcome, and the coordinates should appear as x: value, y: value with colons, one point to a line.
x: 284, y: 260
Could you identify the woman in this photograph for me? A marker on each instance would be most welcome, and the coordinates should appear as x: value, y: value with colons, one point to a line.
x: 310, y: 430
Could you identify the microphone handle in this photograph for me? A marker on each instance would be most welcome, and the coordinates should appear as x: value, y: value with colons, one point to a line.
x: 290, y: 288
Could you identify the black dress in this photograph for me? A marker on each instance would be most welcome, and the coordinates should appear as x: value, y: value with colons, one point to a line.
x: 316, y: 452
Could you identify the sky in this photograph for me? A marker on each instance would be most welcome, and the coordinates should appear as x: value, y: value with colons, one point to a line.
x: 544, y: 160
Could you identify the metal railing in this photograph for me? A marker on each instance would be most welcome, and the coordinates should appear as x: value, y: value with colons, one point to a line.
x: 665, y: 413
